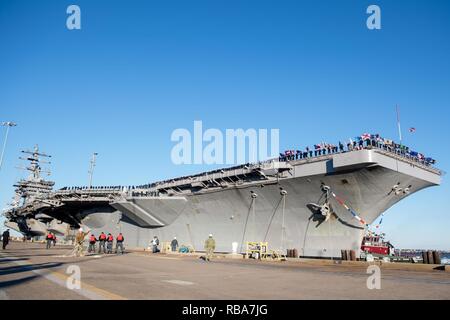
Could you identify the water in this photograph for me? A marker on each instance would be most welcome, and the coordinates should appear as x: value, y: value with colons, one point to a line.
x: 445, y: 258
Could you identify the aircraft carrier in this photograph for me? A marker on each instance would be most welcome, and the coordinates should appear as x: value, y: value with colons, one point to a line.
x: 318, y: 204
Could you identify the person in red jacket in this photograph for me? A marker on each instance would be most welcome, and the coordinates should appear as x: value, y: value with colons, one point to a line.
x: 110, y: 242
x: 49, y: 239
x: 119, y: 245
x: 54, y: 239
x: 102, y: 240
x: 92, y: 242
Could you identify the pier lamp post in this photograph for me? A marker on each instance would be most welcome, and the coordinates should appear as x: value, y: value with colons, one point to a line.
x: 283, y: 193
x: 8, y: 126
x: 251, y: 211
x: 254, y: 197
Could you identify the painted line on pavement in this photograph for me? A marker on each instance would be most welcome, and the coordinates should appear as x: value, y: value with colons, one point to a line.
x: 155, y: 257
x: 180, y: 282
x: 87, y: 291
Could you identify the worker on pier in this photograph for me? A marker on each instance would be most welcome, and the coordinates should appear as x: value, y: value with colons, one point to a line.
x: 155, y: 244
x: 119, y: 244
x: 174, y: 244
x: 110, y: 242
x: 54, y: 239
x: 102, y: 240
x: 210, y: 246
x: 49, y: 239
x: 92, y: 242
x: 5, y: 239
x: 79, y: 242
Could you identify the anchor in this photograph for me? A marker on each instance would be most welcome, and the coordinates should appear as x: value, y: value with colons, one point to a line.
x: 322, y: 212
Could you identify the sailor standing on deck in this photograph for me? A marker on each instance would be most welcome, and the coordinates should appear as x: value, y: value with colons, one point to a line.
x: 102, y: 240
x: 174, y: 244
x: 119, y: 244
x: 210, y: 246
x: 155, y: 244
x: 110, y: 241
x: 5, y: 239
x: 92, y: 242
x: 79, y: 241
x: 54, y: 239
x: 49, y: 239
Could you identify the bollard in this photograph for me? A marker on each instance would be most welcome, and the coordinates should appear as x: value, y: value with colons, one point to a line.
x: 352, y: 255
x: 425, y: 257
x: 344, y: 255
x: 430, y: 257
x: 349, y: 255
x: 436, y: 257
x: 296, y: 255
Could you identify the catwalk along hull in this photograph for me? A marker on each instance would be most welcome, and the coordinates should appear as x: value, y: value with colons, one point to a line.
x: 363, y: 179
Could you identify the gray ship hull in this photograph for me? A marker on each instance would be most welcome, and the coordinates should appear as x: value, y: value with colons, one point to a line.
x: 364, y: 179
x: 28, y: 227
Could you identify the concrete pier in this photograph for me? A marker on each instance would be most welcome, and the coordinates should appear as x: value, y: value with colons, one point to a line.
x: 28, y: 271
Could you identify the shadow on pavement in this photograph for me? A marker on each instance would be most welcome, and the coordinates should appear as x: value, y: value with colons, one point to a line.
x: 9, y: 248
x: 10, y: 283
x: 21, y: 254
x: 8, y: 260
x: 27, y: 268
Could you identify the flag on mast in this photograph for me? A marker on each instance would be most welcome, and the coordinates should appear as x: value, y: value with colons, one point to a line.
x: 398, y: 124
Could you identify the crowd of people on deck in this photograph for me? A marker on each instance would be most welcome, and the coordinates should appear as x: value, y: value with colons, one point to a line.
x: 364, y: 141
x: 135, y: 190
x: 99, y: 188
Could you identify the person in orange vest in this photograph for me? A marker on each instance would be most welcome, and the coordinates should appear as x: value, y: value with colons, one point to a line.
x: 92, y: 242
x: 102, y: 240
x: 54, y: 239
x: 49, y: 239
x: 119, y: 245
x: 110, y: 240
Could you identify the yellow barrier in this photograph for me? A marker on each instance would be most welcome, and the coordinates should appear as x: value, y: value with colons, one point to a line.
x: 165, y: 247
x: 259, y: 250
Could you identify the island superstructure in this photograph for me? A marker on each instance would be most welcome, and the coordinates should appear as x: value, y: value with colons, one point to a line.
x: 319, y: 205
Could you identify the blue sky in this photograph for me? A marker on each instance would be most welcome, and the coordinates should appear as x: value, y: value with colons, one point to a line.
x: 137, y: 70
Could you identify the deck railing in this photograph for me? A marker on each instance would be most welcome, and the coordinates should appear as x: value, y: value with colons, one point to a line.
x: 242, y: 170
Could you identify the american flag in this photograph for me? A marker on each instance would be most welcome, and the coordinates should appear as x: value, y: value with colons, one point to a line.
x: 412, y: 130
x: 289, y: 152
